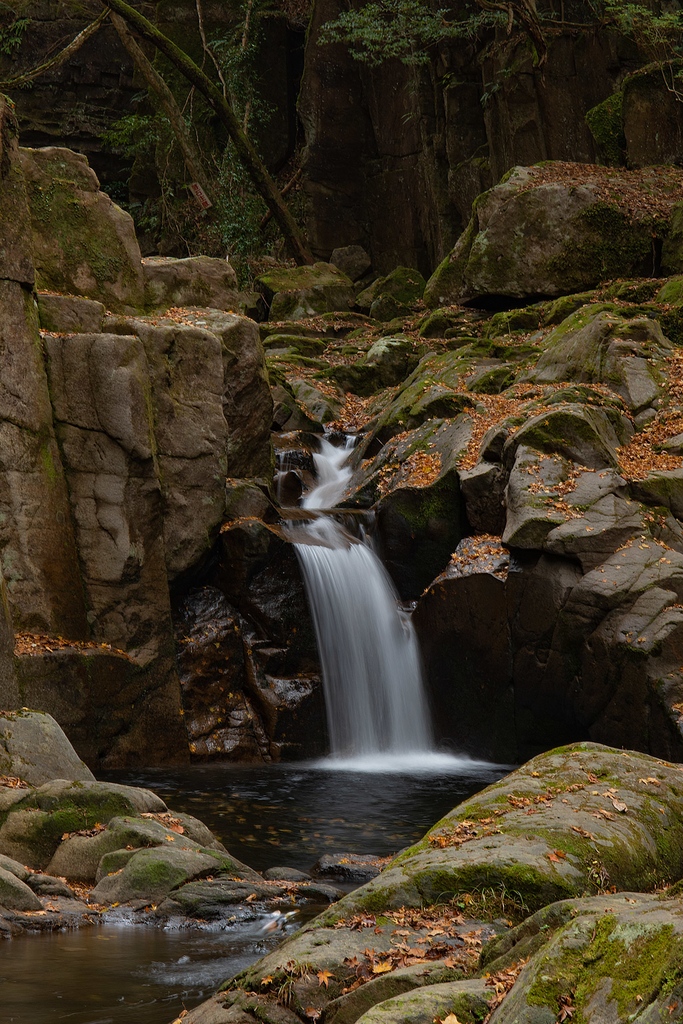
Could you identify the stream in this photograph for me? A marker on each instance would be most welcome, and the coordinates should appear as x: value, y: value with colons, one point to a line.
x: 121, y: 973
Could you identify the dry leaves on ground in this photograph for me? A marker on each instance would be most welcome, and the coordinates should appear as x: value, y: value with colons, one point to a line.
x: 39, y: 643
x: 12, y: 782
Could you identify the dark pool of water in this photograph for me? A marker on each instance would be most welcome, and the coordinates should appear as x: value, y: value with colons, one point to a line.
x: 280, y: 814
x: 290, y: 814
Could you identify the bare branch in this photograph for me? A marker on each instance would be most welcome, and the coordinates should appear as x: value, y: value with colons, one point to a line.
x: 68, y: 51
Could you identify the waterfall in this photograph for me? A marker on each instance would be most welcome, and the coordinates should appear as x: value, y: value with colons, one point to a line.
x: 370, y: 660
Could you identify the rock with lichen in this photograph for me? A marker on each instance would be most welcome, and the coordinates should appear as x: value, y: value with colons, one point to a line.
x: 554, y: 229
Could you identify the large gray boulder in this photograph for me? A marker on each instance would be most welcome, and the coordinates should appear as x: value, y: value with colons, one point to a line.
x: 305, y: 291
x: 192, y: 281
x: 589, y: 802
x: 33, y: 747
x: 83, y: 243
x: 548, y: 230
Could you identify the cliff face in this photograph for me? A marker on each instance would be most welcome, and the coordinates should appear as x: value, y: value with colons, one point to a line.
x: 395, y: 156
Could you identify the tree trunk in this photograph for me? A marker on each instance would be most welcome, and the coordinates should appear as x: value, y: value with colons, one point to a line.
x: 258, y: 173
x: 167, y: 102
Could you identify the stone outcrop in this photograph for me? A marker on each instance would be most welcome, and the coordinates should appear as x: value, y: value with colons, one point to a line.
x: 83, y: 244
x: 555, y: 229
x: 118, y: 436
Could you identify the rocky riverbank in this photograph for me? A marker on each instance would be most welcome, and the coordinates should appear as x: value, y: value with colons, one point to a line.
x: 72, y: 848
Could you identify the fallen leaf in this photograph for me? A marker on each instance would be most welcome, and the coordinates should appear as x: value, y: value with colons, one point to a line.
x: 324, y: 977
x: 381, y: 968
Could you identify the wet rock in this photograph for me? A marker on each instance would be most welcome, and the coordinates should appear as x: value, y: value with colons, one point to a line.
x: 212, y: 898
x: 69, y: 314
x: 467, y: 667
x: 285, y: 875
x: 34, y: 748
x: 349, y: 867
x: 83, y: 244
x: 193, y: 281
x: 414, y: 483
x: 306, y: 291
x: 152, y: 874
x: 15, y: 894
x: 211, y: 666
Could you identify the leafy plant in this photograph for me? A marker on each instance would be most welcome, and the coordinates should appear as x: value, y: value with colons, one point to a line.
x: 11, y: 35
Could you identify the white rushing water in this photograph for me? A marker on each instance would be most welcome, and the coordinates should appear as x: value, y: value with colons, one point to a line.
x: 370, y: 660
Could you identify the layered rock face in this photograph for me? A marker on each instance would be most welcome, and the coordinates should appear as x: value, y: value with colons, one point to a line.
x: 427, y: 142
x: 117, y: 440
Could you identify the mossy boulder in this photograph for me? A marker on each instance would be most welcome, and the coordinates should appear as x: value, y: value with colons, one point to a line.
x: 584, y: 434
x: 602, y: 348
x: 151, y: 874
x: 469, y: 1000
x: 83, y: 244
x: 33, y: 747
x: 394, y: 294
x: 394, y: 357
x: 613, y: 957
x: 538, y: 233
x: 605, y: 124
x: 671, y: 293
x: 435, y: 389
x: 305, y: 291
x: 599, y: 814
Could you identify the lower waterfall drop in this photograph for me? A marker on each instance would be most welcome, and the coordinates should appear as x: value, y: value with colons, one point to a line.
x: 372, y: 676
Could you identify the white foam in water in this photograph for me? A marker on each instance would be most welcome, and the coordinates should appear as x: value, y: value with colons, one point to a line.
x: 374, y: 693
x: 430, y: 762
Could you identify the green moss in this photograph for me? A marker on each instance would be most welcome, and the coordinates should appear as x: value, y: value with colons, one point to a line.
x: 640, y: 963
x: 612, y: 246
x: 606, y: 127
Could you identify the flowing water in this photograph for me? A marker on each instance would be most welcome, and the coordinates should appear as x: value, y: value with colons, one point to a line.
x: 381, y: 789
x: 372, y: 677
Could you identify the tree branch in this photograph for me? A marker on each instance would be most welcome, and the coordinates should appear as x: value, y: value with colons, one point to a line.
x: 68, y: 51
x: 168, y: 104
x: 245, y: 150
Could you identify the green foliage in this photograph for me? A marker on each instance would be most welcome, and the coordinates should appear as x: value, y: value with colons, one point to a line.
x: 404, y: 29
x: 11, y: 35
x: 659, y: 34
